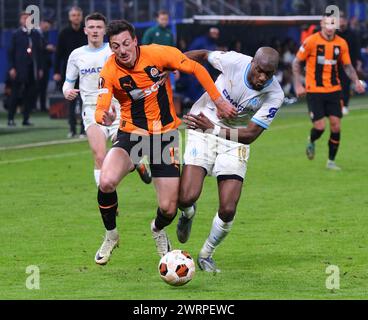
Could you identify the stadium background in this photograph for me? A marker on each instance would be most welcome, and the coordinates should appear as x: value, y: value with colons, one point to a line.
x: 295, y: 219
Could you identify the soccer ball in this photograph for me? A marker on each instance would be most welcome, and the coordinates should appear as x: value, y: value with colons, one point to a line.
x: 176, y: 267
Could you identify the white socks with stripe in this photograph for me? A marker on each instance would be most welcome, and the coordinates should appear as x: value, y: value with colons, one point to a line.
x: 188, y: 212
x: 219, y: 231
x: 97, y: 173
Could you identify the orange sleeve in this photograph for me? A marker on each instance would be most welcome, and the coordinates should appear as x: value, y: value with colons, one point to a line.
x: 345, y: 56
x: 304, y: 50
x: 105, y: 88
x: 173, y: 58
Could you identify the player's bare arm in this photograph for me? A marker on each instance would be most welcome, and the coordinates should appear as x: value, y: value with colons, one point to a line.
x: 200, y: 56
x: 224, y: 108
x: 297, y: 74
x: 244, y: 135
x: 351, y: 73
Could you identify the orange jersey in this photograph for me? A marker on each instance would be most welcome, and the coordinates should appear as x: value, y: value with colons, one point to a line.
x: 146, y: 107
x: 322, y: 58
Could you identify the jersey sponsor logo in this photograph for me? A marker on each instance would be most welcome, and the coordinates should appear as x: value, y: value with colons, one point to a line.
x: 272, y: 112
x: 138, y: 94
x: 239, y: 107
x: 323, y: 60
x: 92, y: 70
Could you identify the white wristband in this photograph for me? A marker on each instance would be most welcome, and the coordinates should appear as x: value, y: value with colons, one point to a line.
x: 216, y: 130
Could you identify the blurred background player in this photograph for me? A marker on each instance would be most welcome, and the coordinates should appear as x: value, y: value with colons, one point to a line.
x: 25, y: 69
x: 322, y: 52
x: 250, y: 85
x: 161, y: 33
x: 70, y: 38
x: 148, y: 124
x: 352, y: 39
x: 48, y: 50
x: 85, y: 63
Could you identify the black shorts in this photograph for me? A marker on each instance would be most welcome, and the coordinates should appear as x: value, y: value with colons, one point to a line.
x: 322, y: 105
x: 162, y: 151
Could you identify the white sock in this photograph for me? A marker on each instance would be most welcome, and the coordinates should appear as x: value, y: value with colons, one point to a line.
x: 219, y: 231
x: 188, y: 212
x: 112, y: 234
x: 97, y: 173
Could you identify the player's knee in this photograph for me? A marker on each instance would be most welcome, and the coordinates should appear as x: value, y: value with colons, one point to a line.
x: 169, y: 211
x: 168, y: 207
x: 187, y: 199
x: 335, y: 127
x: 319, y: 126
x: 107, y: 185
x: 227, y: 212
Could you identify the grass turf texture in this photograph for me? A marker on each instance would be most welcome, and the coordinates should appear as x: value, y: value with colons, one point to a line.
x: 294, y: 219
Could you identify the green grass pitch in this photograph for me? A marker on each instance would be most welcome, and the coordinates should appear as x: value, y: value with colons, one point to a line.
x: 294, y: 219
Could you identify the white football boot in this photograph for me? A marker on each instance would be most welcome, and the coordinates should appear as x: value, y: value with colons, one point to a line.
x: 104, y: 252
x: 162, y: 241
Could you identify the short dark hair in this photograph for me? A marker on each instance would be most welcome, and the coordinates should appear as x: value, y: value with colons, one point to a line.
x: 118, y: 26
x: 162, y: 12
x: 24, y: 13
x: 95, y: 16
x: 76, y: 8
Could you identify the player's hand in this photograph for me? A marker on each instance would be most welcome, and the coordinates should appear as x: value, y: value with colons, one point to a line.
x: 163, y: 77
x: 199, y: 121
x: 225, y: 109
x: 71, y: 94
x: 109, y: 117
x: 359, y: 87
x: 300, y: 91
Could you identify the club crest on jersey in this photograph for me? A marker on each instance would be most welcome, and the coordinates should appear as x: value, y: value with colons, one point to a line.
x: 337, y: 51
x: 254, y: 102
x: 154, y: 72
x: 101, y: 83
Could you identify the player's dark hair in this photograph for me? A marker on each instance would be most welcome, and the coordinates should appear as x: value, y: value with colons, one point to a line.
x: 95, y: 16
x: 24, y: 13
x: 118, y: 26
x: 76, y: 8
x: 162, y: 12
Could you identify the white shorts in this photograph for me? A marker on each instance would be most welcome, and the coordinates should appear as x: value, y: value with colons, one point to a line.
x: 220, y: 157
x: 88, y: 116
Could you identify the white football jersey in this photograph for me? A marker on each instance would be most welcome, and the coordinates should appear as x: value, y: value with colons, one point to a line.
x: 256, y: 106
x: 86, y: 63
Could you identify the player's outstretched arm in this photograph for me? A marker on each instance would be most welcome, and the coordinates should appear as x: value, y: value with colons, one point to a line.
x: 200, y: 56
x: 175, y: 59
x: 243, y: 135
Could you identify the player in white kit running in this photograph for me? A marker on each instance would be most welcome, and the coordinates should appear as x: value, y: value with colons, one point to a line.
x: 220, y: 147
x: 86, y: 62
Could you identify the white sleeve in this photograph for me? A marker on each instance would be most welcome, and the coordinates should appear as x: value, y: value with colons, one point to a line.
x: 72, y: 73
x: 222, y: 60
x: 271, y: 105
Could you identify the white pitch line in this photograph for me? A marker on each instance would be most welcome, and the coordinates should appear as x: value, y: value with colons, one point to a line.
x: 42, y: 144
x: 301, y: 124
x: 53, y: 156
